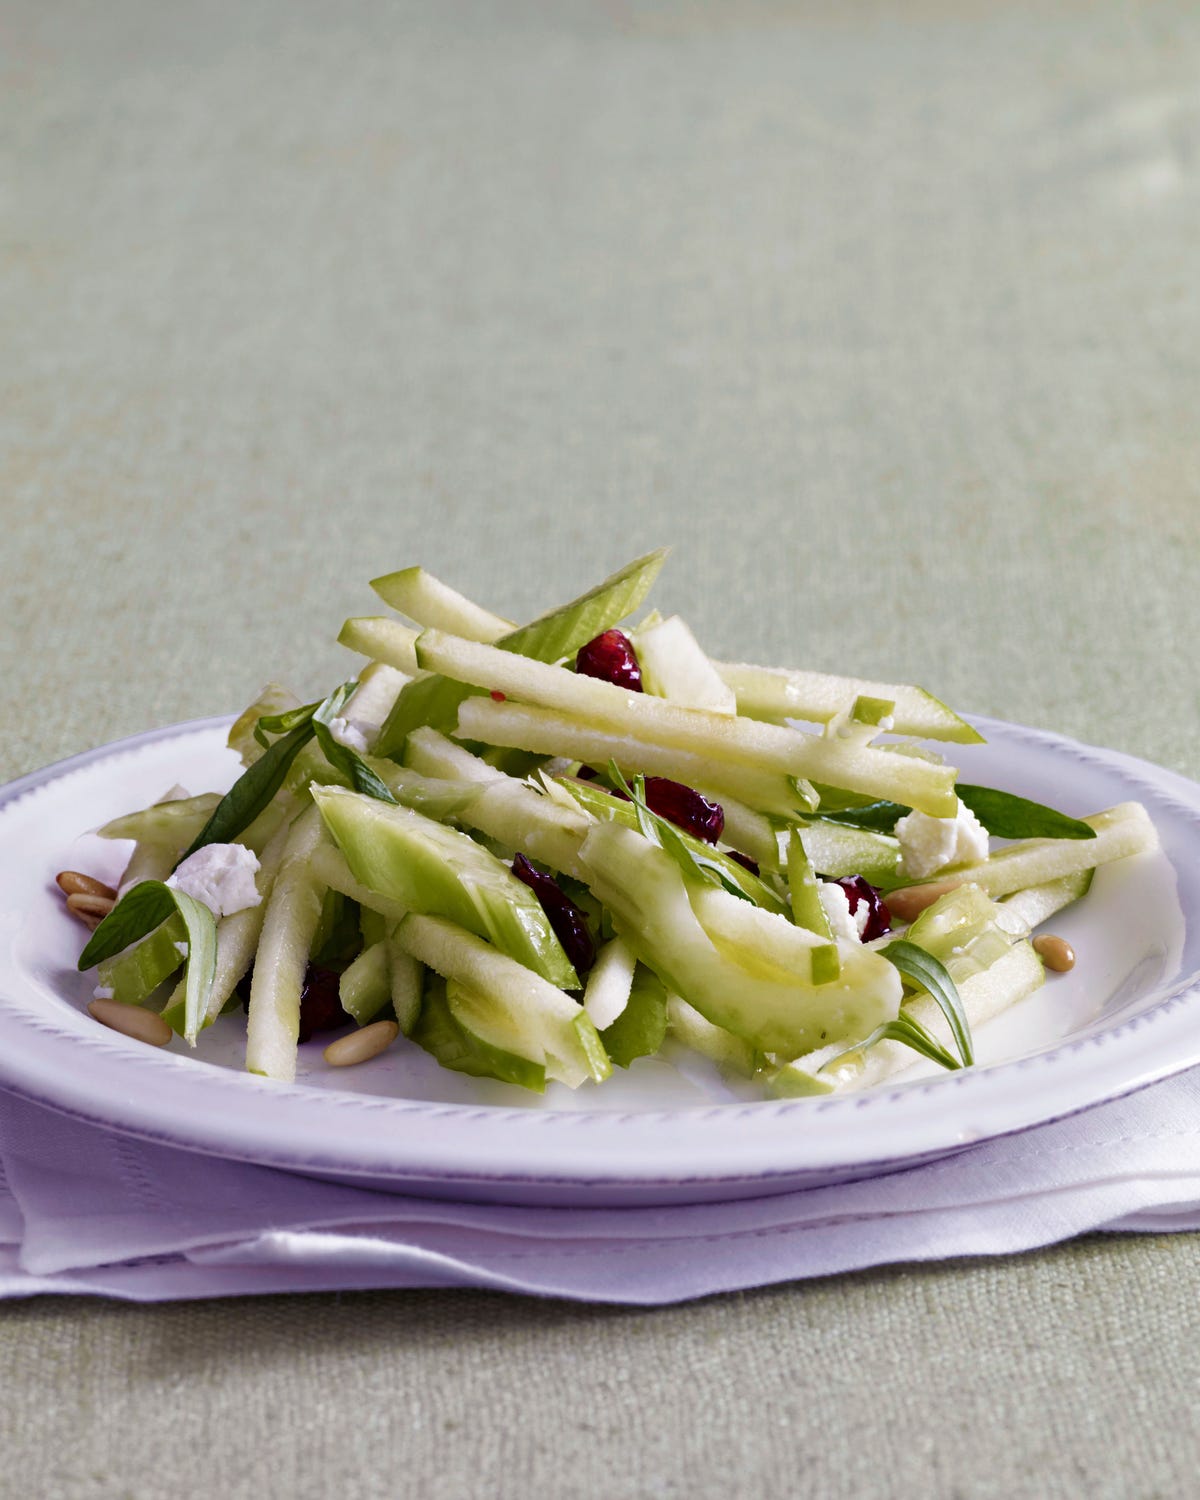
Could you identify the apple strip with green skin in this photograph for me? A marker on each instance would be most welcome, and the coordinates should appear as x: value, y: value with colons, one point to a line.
x: 732, y: 1055
x: 720, y: 737
x: 648, y: 900
x: 547, y: 732
x: 775, y: 693
x: 1120, y: 831
x: 538, y: 1015
x: 609, y: 983
x: 1015, y: 974
x: 289, y: 926
x: 382, y: 639
x: 552, y: 636
x: 429, y: 601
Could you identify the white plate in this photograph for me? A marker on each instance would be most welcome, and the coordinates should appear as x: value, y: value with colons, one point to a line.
x: 1129, y: 1013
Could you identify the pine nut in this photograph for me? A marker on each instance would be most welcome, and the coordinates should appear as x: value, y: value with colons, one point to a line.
x: 912, y: 900
x: 361, y: 1045
x: 75, y: 883
x: 91, y: 910
x: 1055, y: 952
x: 131, y: 1020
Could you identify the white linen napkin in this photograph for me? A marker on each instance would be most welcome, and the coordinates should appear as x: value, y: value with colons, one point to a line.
x: 88, y: 1210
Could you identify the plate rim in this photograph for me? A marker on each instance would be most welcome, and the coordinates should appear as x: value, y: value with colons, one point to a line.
x: 31, y: 1069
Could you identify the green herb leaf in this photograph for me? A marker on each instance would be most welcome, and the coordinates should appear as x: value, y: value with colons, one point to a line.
x: 1011, y: 817
x: 138, y: 913
x: 251, y: 792
x: 662, y: 831
x: 282, y: 723
x: 908, y: 1031
x: 929, y: 974
x: 341, y: 757
x: 877, y: 817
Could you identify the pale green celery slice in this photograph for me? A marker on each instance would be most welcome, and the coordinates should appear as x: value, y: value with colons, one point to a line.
x: 289, y: 923
x: 732, y: 1054
x: 383, y: 640
x: 430, y: 867
x: 237, y: 939
x: 429, y: 601
x: 171, y: 825
x: 552, y: 636
x: 1011, y: 977
x: 719, y: 737
x: 274, y: 699
x: 330, y: 867
x: 548, y: 732
x: 1120, y: 831
x: 539, y: 1013
x: 365, y: 987
x: 134, y: 975
x: 648, y: 901
x: 609, y: 983
x: 773, y: 693
x: 674, y: 666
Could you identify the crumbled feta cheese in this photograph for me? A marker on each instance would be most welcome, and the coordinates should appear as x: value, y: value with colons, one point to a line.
x: 930, y: 844
x: 102, y: 992
x: 887, y: 722
x: 221, y: 876
x: 843, y: 923
x: 182, y: 950
x: 349, y: 732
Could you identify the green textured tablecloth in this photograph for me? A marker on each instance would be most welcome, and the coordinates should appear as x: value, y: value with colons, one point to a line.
x: 888, y: 320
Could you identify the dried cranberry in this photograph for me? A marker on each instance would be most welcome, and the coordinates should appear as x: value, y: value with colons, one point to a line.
x: 879, y: 919
x: 320, y: 1004
x: 745, y: 861
x: 567, y: 921
x: 587, y: 773
x: 686, y: 808
x: 611, y: 657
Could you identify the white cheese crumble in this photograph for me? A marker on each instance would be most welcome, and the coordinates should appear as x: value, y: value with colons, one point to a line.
x: 349, y: 732
x: 221, y: 876
x: 846, y: 925
x: 930, y: 844
x: 103, y: 992
x: 182, y: 950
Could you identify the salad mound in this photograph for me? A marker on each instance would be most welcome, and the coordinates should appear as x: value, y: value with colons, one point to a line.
x: 540, y: 852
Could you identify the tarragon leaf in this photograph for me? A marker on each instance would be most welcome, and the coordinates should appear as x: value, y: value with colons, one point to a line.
x: 903, y: 1029
x: 1008, y: 816
x: 341, y: 757
x: 138, y: 913
x: 930, y: 974
x: 662, y: 831
x: 251, y: 792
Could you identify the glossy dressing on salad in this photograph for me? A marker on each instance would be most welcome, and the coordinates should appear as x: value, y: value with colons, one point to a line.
x: 542, y: 852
